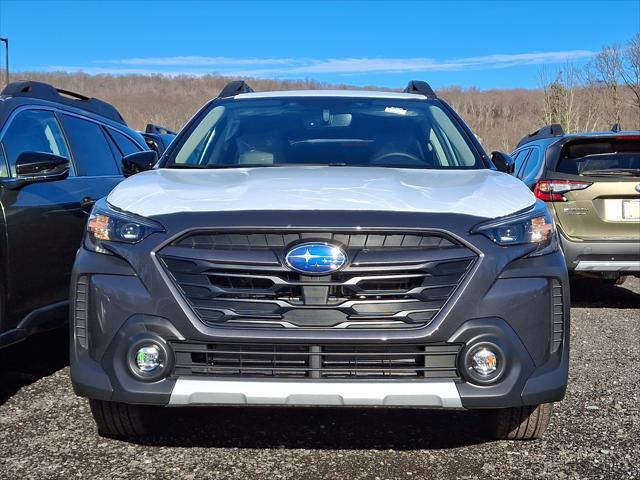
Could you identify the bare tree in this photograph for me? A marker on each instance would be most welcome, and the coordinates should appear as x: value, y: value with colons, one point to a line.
x: 559, y: 98
x: 630, y: 70
x: 570, y: 99
x: 608, y: 65
x: 553, y: 98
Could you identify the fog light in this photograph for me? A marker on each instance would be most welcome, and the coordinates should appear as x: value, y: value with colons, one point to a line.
x: 484, y: 362
x: 148, y: 358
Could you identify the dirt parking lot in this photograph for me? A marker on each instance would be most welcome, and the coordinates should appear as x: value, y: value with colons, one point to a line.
x: 46, y: 432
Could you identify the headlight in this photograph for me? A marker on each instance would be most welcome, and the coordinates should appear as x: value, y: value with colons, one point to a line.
x: 534, y: 227
x: 108, y: 225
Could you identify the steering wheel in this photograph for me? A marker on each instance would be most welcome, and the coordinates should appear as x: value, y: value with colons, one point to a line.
x: 398, y: 155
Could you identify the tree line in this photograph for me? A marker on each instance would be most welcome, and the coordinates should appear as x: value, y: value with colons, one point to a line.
x: 595, y: 96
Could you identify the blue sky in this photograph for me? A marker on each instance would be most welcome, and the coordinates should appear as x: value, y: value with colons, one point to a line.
x: 499, y: 44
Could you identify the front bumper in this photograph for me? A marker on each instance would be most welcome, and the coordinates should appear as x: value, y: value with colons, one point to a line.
x: 592, y: 256
x: 523, y: 383
x: 510, y: 302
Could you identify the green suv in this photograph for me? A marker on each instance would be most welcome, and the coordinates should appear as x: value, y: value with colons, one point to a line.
x: 591, y: 183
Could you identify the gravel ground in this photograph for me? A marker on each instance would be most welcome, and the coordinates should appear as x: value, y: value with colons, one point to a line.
x: 47, y: 433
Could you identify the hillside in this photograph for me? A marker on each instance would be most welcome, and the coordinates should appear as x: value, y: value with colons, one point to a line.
x: 499, y: 117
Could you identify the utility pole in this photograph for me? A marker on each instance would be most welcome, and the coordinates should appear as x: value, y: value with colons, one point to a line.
x: 6, y: 59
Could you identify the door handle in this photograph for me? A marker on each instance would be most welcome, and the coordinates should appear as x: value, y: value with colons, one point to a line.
x: 87, y: 204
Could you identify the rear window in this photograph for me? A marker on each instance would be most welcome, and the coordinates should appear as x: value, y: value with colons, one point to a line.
x: 609, y: 156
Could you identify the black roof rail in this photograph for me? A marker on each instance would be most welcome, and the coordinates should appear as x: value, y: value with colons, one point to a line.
x: 420, y: 88
x: 616, y: 127
x: 152, y: 128
x: 548, y: 131
x: 44, y: 91
x: 234, y: 88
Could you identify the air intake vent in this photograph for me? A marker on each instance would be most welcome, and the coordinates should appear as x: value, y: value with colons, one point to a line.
x: 557, y: 306
x: 271, y: 240
x: 80, y: 311
x: 333, y: 362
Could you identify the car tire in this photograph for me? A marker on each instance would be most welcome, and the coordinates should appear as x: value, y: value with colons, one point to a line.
x: 3, y: 327
x: 522, y: 423
x: 115, y: 419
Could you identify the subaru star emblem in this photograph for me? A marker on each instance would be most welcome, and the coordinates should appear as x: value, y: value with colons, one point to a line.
x: 638, y: 188
x: 315, y: 258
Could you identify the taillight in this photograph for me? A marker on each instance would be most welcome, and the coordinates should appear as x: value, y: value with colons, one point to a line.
x: 552, y: 190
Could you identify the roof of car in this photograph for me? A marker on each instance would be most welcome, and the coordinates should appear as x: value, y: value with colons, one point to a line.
x: 41, y: 91
x: 568, y: 136
x: 332, y: 93
x: 609, y: 133
x: 546, y: 137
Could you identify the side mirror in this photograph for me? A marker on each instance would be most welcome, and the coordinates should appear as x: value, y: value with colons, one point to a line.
x: 35, y: 167
x: 158, y: 142
x: 138, y: 162
x: 503, y: 162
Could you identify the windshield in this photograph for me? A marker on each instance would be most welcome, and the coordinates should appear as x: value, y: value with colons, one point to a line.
x: 326, y: 131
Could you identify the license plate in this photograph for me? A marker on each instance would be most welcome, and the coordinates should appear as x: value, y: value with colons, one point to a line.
x: 631, y: 209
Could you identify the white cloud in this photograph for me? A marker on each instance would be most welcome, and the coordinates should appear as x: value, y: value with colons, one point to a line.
x: 288, y: 67
x: 117, y: 71
x: 537, y: 58
x: 194, y: 60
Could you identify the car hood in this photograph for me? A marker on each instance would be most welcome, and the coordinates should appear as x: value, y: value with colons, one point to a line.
x: 482, y: 193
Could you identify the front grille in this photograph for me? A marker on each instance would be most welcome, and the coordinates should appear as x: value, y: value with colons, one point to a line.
x: 557, y: 324
x: 393, y: 280
x: 316, y: 361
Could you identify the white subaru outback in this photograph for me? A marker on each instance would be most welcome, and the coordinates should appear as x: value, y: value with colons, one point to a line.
x: 321, y: 248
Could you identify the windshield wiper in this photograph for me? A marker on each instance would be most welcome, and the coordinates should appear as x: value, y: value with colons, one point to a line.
x: 272, y: 165
x: 184, y: 165
x: 211, y: 167
x: 255, y: 165
x: 245, y: 165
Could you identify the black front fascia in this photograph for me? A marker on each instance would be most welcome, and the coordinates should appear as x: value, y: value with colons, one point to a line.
x: 462, y: 305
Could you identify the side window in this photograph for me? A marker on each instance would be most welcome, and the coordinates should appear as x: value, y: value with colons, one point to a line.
x: 91, y: 150
x: 33, y: 131
x: 4, y: 171
x: 520, y: 158
x: 124, y: 144
x: 532, y: 164
x: 435, y: 145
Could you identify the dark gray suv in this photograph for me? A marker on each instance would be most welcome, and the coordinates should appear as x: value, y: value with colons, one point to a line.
x: 325, y: 248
